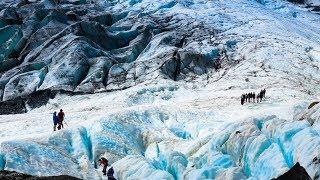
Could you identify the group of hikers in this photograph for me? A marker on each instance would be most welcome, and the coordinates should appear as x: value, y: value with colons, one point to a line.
x: 58, y: 120
x: 251, y: 97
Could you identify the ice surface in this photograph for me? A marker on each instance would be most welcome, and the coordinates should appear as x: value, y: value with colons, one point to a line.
x: 137, y: 167
x: 158, y: 128
x: 23, y: 84
x: 142, y: 140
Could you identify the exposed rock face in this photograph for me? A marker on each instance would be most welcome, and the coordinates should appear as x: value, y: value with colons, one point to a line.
x: 298, y: 1
x: 313, y: 104
x: 297, y: 172
x: 22, y: 104
x: 11, y: 175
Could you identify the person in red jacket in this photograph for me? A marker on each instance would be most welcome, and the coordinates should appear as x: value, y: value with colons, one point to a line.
x: 61, y: 118
x: 104, y: 163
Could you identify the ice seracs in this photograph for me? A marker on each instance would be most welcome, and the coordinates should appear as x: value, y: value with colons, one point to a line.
x: 169, y: 75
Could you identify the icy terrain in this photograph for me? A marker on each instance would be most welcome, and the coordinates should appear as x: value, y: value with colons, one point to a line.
x: 170, y: 75
x: 165, y: 132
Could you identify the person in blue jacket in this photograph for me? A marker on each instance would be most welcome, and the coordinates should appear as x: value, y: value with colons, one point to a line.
x: 55, y: 121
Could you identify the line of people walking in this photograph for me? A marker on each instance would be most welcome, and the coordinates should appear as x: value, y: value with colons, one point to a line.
x: 58, y: 120
x: 252, y: 97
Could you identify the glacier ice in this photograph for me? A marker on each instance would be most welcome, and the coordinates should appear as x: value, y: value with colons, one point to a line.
x: 137, y: 167
x: 169, y: 75
x: 23, y: 84
x: 148, y: 142
x: 141, y: 37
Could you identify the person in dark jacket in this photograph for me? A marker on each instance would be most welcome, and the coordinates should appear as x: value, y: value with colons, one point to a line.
x: 264, y: 93
x: 104, y: 163
x: 260, y: 96
x: 242, y: 99
x: 55, y: 121
x: 61, y: 118
x: 110, y: 174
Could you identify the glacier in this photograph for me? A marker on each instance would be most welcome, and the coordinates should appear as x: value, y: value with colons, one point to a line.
x: 158, y: 139
x: 155, y: 86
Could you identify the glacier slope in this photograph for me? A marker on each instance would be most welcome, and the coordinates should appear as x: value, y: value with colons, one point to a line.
x: 106, y: 46
x: 193, y: 128
x: 145, y: 134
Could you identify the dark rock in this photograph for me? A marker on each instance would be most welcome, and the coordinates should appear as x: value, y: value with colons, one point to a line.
x: 313, y: 104
x: 316, y: 8
x: 172, y: 67
x: 40, y: 98
x: 34, y: 100
x: 16, y: 106
x: 297, y: 172
x: 104, y: 19
x: 298, y: 1
x: 11, y: 175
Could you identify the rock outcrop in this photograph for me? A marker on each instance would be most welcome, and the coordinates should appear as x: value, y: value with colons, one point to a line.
x: 297, y: 172
x: 11, y: 175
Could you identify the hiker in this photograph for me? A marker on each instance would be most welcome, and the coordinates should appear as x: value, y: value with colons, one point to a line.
x: 61, y: 118
x: 264, y: 93
x: 110, y: 174
x: 246, y: 97
x: 104, y: 162
x: 254, y: 97
x: 242, y: 99
x: 261, y: 95
x: 55, y: 121
x: 249, y: 96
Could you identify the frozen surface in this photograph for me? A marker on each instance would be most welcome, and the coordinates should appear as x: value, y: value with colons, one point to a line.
x: 156, y: 138
x: 179, y: 68
x: 106, y: 46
